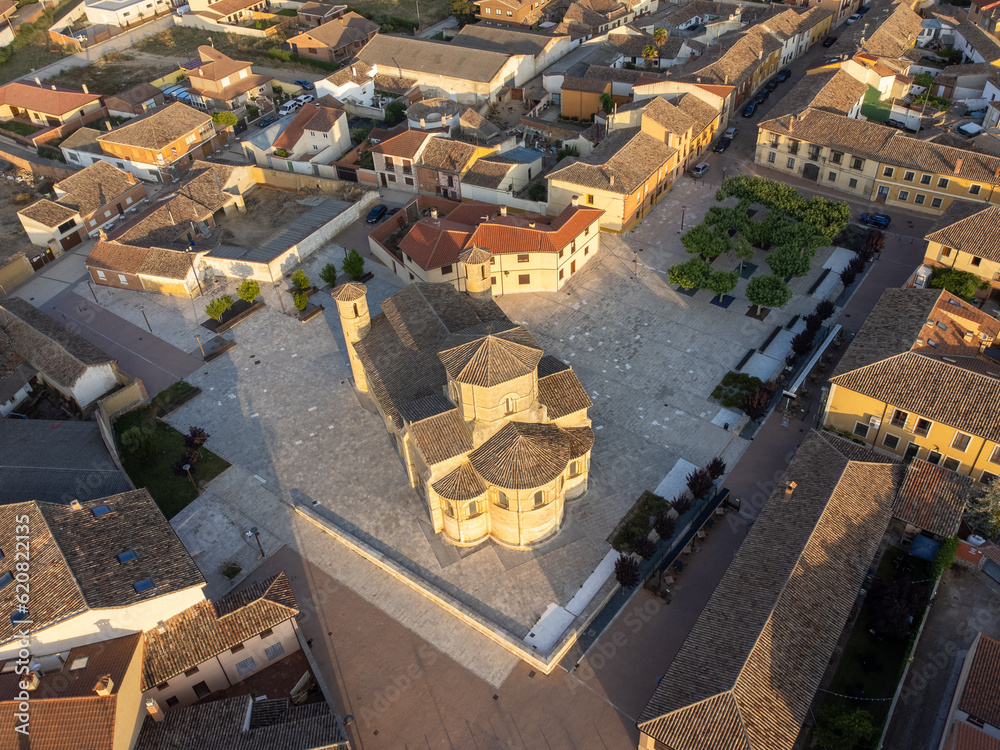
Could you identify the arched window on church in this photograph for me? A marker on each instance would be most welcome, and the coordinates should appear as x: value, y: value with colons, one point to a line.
x: 539, y: 499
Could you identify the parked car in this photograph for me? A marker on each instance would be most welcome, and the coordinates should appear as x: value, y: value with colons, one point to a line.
x: 722, y: 145
x: 731, y: 132
x: 895, y: 124
x: 288, y: 107
x: 700, y: 169
x: 762, y: 96
x: 376, y: 214
x: 771, y: 85
x: 864, y: 9
x: 751, y: 108
x: 265, y: 121
x: 880, y: 221
x: 305, y: 99
x: 784, y: 74
x: 829, y: 41
x: 304, y: 84
x: 854, y: 19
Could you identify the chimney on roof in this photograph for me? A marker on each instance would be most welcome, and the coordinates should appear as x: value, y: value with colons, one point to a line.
x: 131, y: 177
x: 103, y: 235
x: 154, y: 710
x: 32, y: 680
x: 958, y: 165
x: 169, y: 213
x: 790, y: 490
x: 38, y: 80
x: 574, y: 201
x: 354, y: 71
x: 75, y: 504
x: 611, y: 179
x: 107, y: 124
x: 503, y: 210
x: 434, y: 212
x: 161, y: 627
x: 53, y: 87
x: 531, y: 225
x: 85, y: 89
x: 791, y: 123
x: 104, y: 686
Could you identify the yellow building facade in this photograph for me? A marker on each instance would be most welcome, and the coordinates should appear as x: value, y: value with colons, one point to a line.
x: 494, y: 435
x: 970, y: 243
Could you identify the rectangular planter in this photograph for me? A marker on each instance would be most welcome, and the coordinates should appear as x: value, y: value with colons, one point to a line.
x: 309, y: 313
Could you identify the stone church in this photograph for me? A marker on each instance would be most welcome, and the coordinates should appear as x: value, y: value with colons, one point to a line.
x: 494, y: 434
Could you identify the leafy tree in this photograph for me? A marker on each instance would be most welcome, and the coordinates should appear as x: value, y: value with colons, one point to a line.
x: 924, y: 79
x: 722, y: 282
x: 329, y: 274
x: 837, y: 730
x: 664, y: 525
x: 300, y: 281
x: 983, y: 513
x: 894, y: 605
x: 659, y: 36
x: 360, y: 134
x: 692, y: 274
x: 644, y: 547
x: 649, y: 54
x: 464, y: 11
x: 788, y: 260
x: 682, y: 504
x: 716, y: 467
x: 743, y: 250
x: 248, y: 290
x: 228, y: 119
x: 847, y: 277
x: 756, y: 403
x: 219, y: 307
x: 301, y: 300
x: 812, y: 322
x: 538, y: 191
x: 354, y: 264
x: 824, y: 309
x: 699, y: 482
x: 395, y: 111
x: 196, y: 437
x: 857, y: 265
x: 708, y: 242
x: 768, y: 291
x: 802, y: 342
x: 960, y: 283
x: 607, y: 103
x: 627, y: 571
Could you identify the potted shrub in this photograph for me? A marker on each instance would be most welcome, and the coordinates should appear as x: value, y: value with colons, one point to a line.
x: 354, y: 264
x: 329, y: 274
x: 219, y: 307
x: 248, y: 291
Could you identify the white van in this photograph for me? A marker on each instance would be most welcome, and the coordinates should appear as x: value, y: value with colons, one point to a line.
x: 288, y: 107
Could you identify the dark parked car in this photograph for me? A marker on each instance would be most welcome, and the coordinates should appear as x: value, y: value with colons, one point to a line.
x: 784, y: 74
x: 722, y: 145
x: 771, y: 85
x: 306, y: 86
x: 829, y: 41
x: 376, y: 214
x: 864, y: 9
x: 762, y: 96
x: 895, y: 124
x: 748, y: 111
x: 881, y: 221
x: 265, y: 121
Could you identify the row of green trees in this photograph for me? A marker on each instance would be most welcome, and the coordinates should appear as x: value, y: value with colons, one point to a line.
x: 247, y: 291
x: 829, y: 218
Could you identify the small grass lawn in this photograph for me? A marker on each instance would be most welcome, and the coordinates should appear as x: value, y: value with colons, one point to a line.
x: 733, y: 389
x: 165, y: 399
x: 871, y: 667
x: 20, y: 128
x: 873, y: 108
x: 171, y: 492
x: 636, y: 522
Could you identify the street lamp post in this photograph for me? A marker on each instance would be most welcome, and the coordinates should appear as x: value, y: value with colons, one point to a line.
x: 191, y: 258
x: 256, y: 535
x: 683, y: 211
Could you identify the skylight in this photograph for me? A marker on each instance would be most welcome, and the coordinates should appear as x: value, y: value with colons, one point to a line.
x: 101, y: 510
x: 79, y: 663
x: 127, y: 556
x: 144, y: 585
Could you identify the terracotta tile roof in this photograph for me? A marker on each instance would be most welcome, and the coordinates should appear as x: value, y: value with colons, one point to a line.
x: 748, y: 671
x: 209, y: 628
x: 242, y: 723
x: 663, y: 113
x: 320, y: 9
x: 90, y: 544
x: 590, y: 85
x: 938, y: 390
x: 65, y: 710
x: 158, y: 262
x: 47, y: 213
x: 433, y: 58
x: 501, y: 354
x: 406, y: 144
x: 423, y: 408
x: 94, y: 187
x: 985, y: 44
x: 356, y: 72
x: 159, y: 128
x: 932, y: 498
x: 215, y: 65
x: 446, y: 154
x: 618, y: 75
x: 895, y: 34
x: 980, y: 697
x: 620, y: 164
x: 835, y: 131
x: 461, y: 484
x: 136, y: 95
x: 475, y: 254
x: 562, y: 393
x: 48, y: 100
x: 83, y: 139
x: 311, y: 116
x: 857, y: 451
x: 233, y: 90
x: 394, y: 84
x: 349, y: 292
x: 522, y: 455
x: 478, y: 36
x: 976, y: 234
x: 967, y: 737
x: 435, y: 243
x: 400, y: 352
x: 226, y: 8
x: 340, y: 32
x: 442, y: 437
x: 51, y: 348
x: 581, y: 440
x: 487, y: 173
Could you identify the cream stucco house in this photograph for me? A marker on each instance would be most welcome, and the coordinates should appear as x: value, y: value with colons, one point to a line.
x: 495, y: 435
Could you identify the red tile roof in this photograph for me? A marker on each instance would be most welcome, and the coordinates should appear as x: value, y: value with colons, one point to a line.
x: 967, y: 737
x: 932, y: 498
x: 981, y: 694
x: 407, y: 144
x: 48, y: 100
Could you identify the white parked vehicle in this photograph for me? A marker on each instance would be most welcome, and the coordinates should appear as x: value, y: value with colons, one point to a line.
x: 305, y: 99
x: 288, y: 107
x: 854, y: 19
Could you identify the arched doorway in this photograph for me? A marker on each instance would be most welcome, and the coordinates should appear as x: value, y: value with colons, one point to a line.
x: 811, y: 172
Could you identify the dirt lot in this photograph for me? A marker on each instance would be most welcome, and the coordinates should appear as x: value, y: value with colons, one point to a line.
x: 115, y: 73
x: 14, y: 238
x: 267, y: 211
